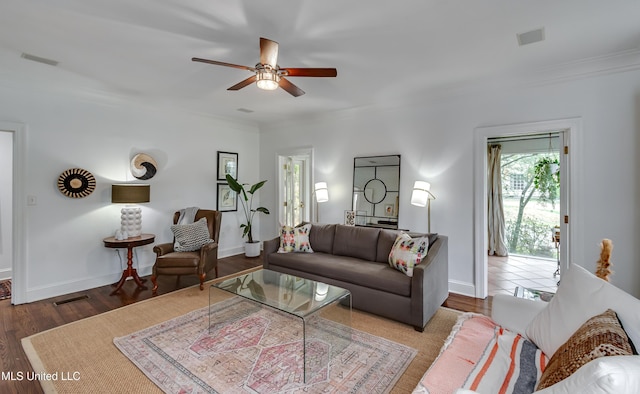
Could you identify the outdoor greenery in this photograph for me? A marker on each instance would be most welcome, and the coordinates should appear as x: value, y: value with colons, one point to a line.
x: 530, y: 193
x: 546, y: 178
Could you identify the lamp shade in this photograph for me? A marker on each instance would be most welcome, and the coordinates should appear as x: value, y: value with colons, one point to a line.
x: 322, y: 193
x: 131, y: 193
x: 420, y: 195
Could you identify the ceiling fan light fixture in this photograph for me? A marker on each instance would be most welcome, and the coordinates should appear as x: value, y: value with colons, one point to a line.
x: 267, y: 79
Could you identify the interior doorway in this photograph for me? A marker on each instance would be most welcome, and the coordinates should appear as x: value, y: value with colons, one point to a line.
x: 294, y: 187
x: 567, y: 131
x: 524, y: 212
x: 16, y: 210
x: 6, y: 204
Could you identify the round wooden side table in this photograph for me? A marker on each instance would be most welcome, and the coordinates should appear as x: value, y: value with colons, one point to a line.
x: 129, y: 244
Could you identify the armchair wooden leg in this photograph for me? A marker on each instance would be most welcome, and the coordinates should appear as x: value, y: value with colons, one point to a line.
x: 202, y: 276
x: 154, y: 280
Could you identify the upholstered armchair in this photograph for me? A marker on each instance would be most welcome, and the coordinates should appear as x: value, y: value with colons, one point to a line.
x: 197, y: 262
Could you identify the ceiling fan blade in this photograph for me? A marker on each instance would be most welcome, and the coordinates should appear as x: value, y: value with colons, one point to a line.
x: 291, y: 88
x: 268, y: 52
x: 309, y: 72
x: 244, y: 83
x: 217, y: 63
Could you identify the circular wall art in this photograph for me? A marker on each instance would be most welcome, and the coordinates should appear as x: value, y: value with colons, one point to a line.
x: 143, y: 166
x: 76, y: 183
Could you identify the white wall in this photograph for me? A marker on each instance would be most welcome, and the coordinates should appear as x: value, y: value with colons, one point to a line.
x: 65, y: 252
x: 6, y: 203
x: 435, y: 139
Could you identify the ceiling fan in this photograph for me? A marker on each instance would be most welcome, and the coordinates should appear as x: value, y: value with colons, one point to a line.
x: 270, y: 76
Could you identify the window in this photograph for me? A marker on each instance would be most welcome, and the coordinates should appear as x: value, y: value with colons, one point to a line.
x: 517, y: 181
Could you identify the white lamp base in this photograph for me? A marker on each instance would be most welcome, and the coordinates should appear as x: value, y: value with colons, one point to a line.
x: 131, y: 221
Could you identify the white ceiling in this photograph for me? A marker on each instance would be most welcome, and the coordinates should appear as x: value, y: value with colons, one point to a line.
x: 386, y: 52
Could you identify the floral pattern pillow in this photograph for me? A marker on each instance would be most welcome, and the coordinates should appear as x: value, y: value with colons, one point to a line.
x: 295, y: 239
x: 408, y: 252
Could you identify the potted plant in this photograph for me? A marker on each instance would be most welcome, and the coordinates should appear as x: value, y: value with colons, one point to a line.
x: 251, y: 247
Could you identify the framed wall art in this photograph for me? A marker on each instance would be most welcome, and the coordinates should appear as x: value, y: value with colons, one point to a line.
x: 227, y: 199
x: 227, y: 164
x: 350, y: 218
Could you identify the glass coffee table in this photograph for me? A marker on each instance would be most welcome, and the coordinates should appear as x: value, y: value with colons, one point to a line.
x: 302, y: 299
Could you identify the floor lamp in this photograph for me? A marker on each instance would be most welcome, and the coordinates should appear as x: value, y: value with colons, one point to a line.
x: 421, y: 197
x: 322, y: 195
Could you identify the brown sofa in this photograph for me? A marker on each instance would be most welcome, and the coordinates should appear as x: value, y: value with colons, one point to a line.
x: 356, y: 258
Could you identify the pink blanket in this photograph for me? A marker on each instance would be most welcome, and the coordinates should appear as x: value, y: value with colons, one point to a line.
x: 481, y: 356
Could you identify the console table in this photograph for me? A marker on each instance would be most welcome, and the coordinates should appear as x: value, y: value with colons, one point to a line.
x: 129, y: 244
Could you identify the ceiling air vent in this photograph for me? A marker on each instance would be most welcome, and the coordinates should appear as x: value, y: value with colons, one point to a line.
x: 39, y: 59
x: 530, y: 37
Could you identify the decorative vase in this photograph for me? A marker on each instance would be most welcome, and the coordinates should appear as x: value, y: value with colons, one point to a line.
x: 252, y: 249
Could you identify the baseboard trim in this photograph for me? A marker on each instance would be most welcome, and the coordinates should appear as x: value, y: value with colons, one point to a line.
x: 463, y: 288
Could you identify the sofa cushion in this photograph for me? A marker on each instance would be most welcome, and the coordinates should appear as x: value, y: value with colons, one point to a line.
x: 295, y: 239
x: 582, y: 295
x: 321, y: 237
x: 371, y: 274
x: 385, y: 243
x: 408, y: 252
x: 599, y: 336
x: 359, y: 242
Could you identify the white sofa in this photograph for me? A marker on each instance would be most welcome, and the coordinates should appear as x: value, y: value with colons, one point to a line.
x: 580, y: 296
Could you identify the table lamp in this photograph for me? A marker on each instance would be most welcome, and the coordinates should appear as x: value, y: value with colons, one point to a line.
x: 130, y: 215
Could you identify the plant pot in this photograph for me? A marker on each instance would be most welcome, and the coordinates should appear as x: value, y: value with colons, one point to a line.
x: 252, y: 249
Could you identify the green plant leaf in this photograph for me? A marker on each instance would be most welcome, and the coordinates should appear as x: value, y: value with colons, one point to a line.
x: 233, y: 184
x: 263, y: 210
x: 257, y: 186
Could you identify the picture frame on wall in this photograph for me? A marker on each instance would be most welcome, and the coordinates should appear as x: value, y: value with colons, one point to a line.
x: 227, y: 199
x: 389, y: 209
x: 350, y: 218
x: 227, y: 164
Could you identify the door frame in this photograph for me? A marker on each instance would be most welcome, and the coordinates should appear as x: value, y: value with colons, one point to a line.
x: 570, y: 177
x: 306, y: 153
x: 19, y: 269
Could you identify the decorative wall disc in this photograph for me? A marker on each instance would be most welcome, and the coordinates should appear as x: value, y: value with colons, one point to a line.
x: 143, y: 166
x: 76, y: 183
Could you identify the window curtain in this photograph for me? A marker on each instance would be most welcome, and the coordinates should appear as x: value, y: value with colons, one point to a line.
x: 497, y: 241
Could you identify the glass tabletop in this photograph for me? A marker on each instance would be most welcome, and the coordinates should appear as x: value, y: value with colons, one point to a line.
x: 288, y: 293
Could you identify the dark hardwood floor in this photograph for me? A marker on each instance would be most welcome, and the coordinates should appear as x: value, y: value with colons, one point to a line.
x: 19, y: 321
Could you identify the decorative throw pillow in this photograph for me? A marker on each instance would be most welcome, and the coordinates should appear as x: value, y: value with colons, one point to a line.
x: 614, y: 374
x: 190, y: 237
x: 600, y: 336
x: 295, y: 239
x: 408, y: 252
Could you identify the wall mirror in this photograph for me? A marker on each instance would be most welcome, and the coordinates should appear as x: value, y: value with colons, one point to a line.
x: 376, y: 191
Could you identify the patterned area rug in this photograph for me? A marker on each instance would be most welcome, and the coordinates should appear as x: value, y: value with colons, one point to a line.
x: 258, y: 350
x: 5, y: 289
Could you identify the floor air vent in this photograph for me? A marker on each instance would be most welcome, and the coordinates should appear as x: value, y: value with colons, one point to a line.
x: 73, y: 299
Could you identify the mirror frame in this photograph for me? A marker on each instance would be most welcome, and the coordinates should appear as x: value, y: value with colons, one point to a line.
x: 378, y: 212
